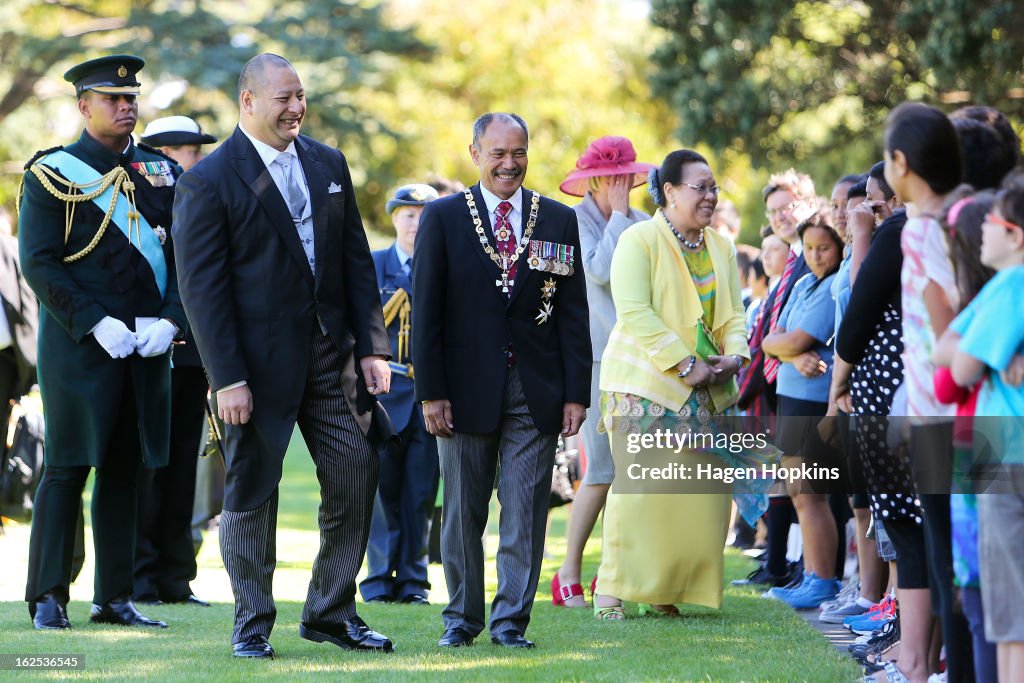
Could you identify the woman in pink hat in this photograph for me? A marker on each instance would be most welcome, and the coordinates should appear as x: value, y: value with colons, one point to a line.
x: 604, y: 175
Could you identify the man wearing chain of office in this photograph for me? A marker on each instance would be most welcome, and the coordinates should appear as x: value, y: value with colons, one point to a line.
x: 93, y: 231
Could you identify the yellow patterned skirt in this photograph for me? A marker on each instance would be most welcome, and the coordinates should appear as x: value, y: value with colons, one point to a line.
x: 662, y: 548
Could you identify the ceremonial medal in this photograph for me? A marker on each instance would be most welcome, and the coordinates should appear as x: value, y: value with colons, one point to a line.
x: 551, y: 257
x: 158, y: 173
x: 547, y: 301
x: 504, y: 263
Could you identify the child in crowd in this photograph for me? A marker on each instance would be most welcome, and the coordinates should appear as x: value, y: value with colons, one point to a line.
x: 964, y: 219
x: 989, y: 335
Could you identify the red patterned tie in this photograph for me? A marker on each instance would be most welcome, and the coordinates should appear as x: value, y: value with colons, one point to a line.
x: 771, y: 364
x: 505, y: 237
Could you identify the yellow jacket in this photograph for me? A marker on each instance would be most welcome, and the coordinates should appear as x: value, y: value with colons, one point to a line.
x: 658, y: 310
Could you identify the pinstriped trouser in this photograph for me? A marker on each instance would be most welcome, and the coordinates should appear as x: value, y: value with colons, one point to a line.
x: 347, y: 468
x: 468, y: 463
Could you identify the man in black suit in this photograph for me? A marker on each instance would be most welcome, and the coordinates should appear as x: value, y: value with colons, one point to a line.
x: 503, y: 361
x: 278, y: 284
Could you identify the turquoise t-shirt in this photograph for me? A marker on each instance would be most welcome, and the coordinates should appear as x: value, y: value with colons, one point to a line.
x: 992, y: 330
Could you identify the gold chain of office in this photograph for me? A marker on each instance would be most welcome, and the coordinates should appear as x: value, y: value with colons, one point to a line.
x: 86, y: 192
x: 505, y: 263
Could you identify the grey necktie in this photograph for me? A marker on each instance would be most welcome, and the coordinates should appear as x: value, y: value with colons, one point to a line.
x: 293, y: 194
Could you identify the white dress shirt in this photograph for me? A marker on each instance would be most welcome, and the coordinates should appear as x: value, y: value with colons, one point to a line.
x: 515, y: 217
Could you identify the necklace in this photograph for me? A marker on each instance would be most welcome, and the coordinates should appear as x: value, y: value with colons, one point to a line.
x: 505, y: 263
x: 686, y: 243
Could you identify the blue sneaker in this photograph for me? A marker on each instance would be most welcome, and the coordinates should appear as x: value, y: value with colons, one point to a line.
x: 813, y: 593
x: 874, y: 618
x: 783, y: 593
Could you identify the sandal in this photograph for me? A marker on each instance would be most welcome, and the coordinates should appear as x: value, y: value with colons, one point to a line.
x: 560, y: 593
x: 610, y: 613
x: 667, y: 611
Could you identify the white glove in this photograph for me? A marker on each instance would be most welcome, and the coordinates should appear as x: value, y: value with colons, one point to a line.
x: 156, y: 339
x: 115, y: 337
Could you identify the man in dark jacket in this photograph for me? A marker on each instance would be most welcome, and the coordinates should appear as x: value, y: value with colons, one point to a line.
x: 93, y: 234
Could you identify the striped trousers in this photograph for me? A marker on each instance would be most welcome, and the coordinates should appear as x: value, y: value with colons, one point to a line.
x: 468, y: 464
x: 347, y: 468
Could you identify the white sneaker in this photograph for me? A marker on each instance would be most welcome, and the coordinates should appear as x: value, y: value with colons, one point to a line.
x: 848, y: 595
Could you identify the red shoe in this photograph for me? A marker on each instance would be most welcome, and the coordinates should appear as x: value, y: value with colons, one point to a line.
x: 593, y: 586
x: 560, y: 593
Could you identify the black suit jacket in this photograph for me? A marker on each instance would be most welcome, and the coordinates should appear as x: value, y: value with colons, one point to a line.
x: 463, y: 323
x: 252, y: 300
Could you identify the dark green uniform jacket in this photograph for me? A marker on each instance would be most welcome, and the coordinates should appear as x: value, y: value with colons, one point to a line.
x: 82, y: 386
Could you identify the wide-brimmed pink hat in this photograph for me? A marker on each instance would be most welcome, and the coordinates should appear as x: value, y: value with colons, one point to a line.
x: 610, y: 155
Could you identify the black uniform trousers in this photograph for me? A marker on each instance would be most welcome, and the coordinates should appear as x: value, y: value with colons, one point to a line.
x: 346, y: 467
x: 165, y: 560
x: 58, y: 506
x: 396, y: 557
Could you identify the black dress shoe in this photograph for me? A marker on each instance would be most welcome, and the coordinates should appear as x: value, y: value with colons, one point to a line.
x: 121, y: 613
x: 254, y: 646
x: 348, y: 635
x: 383, y: 599
x: 189, y: 599
x: 511, y: 639
x: 49, y: 614
x: 415, y: 600
x: 455, y: 637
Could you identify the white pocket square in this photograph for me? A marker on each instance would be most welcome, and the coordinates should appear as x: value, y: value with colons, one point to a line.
x: 334, y: 188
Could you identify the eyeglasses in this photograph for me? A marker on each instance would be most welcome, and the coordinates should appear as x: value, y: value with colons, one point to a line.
x: 704, y: 189
x: 992, y: 218
x: 788, y: 208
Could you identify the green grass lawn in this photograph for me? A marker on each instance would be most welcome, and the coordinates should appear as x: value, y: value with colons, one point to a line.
x: 750, y: 639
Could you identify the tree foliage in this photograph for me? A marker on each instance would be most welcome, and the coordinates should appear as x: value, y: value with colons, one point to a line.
x: 795, y: 81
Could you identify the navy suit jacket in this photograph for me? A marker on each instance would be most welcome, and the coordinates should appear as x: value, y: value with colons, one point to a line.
x: 463, y: 324
x: 391, y: 276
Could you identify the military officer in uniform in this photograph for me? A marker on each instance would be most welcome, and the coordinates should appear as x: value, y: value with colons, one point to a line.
x: 94, y: 243
x: 165, y: 559
x: 396, y: 554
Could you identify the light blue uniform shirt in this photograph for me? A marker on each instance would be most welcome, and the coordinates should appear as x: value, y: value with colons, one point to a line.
x: 841, y: 291
x: 812, y: 309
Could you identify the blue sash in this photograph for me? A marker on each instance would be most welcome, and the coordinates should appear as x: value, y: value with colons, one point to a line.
x: 81, y: 173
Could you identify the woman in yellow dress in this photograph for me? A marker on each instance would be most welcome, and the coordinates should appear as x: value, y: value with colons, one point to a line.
x: 671, y: 360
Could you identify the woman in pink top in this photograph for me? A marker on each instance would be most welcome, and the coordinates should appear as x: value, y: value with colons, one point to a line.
x: 922, y: 165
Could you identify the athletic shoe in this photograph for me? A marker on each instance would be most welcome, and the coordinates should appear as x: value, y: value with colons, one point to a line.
x: 884, y: 606
x: 782, y: 593
x: 850, y: 593
x: 838, y: 615
x: 761, y: 577
x: 812, y: 593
